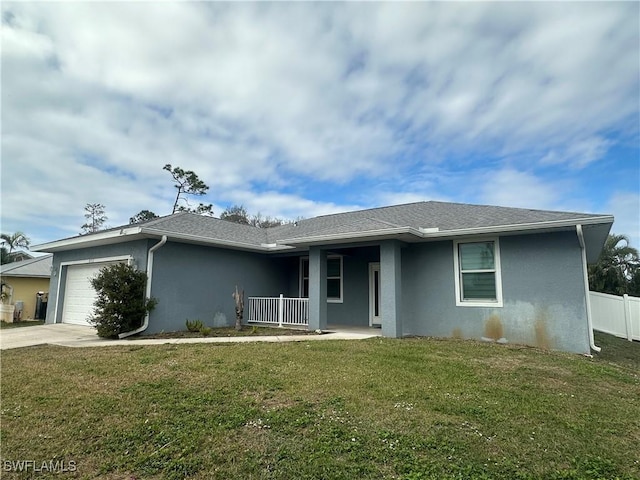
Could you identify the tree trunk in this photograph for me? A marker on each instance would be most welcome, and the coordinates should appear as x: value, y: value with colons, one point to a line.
x: 239, y: 299
x: 175, y: 204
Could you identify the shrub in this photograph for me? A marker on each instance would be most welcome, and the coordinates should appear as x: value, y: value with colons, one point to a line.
x: 121, y: 304
x: 194, y: 325
x: 198, y: 326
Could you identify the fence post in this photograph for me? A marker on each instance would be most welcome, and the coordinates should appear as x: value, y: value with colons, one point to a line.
x: 627, y: 317
x: 280, y: 310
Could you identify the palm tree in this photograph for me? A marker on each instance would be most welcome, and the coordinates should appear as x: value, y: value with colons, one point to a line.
x: 17, y: 240
x: 617, y: 266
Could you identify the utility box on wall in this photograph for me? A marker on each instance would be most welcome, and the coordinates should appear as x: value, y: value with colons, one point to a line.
x: 42, y: 298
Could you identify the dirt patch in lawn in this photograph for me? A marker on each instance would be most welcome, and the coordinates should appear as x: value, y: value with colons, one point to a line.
x: 247, y: 331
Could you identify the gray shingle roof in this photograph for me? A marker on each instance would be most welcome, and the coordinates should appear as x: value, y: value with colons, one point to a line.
x: 441, y: 215
x: 431, y: 215
x: 33, y: 267
x: 208, y: 228
x: 402, y: 220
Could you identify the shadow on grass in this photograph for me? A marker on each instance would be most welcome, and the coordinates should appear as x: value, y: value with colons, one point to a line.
x: 618, y: 350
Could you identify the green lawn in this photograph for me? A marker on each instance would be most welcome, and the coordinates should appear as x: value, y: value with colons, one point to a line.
x: 380, y: 408
x: 24, y: 323
x: 618, y: 351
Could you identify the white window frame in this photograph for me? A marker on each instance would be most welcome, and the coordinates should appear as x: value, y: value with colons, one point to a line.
x: 341, y: 278
x: 457, y: 273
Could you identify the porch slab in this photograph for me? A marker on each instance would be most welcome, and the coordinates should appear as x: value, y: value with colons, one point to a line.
x: 352, y: 330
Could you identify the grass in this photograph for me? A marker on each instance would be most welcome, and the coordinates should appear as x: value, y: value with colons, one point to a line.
x: 247, y: 331
x: 618, y: 351
x: 24, y: 323
x: 410, y: 409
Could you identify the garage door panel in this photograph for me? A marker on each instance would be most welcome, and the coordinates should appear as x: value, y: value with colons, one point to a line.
x: 79, y: 295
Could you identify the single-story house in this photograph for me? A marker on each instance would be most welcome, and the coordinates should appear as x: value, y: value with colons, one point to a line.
x: 428, y: 268
x: 20, y: 255
x: 28, y: 282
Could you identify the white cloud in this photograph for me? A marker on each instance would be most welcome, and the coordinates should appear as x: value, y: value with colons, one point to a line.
x: 579, y: 154
x: 260, y: 98
x: 625, y: 206
x: 398, y: 198
x: 287, y: 206
x: 512, y: 188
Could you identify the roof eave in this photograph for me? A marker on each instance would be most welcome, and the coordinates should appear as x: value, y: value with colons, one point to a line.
x: 135, y: 233
x: 25, y: 275
x: 521, y: 227
x: 413, y: 235
x: 93, y: 240
x: 196, y: 239
x: 403, y: 233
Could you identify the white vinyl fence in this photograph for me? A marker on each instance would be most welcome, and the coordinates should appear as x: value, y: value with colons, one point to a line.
x: 619, y: 316
x: 279, y: 310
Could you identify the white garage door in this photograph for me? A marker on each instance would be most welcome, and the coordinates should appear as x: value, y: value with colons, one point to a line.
x: 79, y: 295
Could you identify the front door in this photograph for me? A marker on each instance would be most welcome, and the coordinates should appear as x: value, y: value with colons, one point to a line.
x: 374, y: 294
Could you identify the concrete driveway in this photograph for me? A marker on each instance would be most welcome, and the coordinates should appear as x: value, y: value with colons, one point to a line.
x: 43, y: 334
x: 67, y: 335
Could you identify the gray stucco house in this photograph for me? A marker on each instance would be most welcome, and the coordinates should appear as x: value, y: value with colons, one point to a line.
x: 428, y: 268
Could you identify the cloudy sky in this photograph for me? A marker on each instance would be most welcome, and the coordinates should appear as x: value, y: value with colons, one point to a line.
x: 301, y: 109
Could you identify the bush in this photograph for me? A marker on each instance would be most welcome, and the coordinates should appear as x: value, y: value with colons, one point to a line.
x: 194, y: 325
x: 197, y: 326
x: 121, y: 304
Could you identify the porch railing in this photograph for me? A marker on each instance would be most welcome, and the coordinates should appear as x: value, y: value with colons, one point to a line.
x: 278, y: 310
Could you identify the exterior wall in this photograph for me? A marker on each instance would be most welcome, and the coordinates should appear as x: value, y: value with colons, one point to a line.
x: 391, y: 288
x: 354, y: 309
x: 195, y: 282
x: 317, y: 289
x: 138, y: 250
x: 24, y: 290
x: 542, y: 286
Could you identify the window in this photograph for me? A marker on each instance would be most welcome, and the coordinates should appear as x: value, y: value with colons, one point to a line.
x: 477, y: 270
x: 334, y: 278
x: 304, y: 277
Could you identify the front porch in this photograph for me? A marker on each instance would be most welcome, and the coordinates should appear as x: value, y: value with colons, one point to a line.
x: 293, y: 313
x: 356, y: 286
x: 281, y: 311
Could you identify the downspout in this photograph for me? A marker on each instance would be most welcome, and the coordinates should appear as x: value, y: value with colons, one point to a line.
x: 145, y: 322
x: 586, y: 288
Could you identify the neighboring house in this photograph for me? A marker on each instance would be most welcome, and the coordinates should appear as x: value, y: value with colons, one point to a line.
x: 28, y: 280
x: 19, y: 255
x: 428, y: 268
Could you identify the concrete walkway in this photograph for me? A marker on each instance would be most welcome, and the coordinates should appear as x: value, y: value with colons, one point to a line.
x: 67, y: 335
